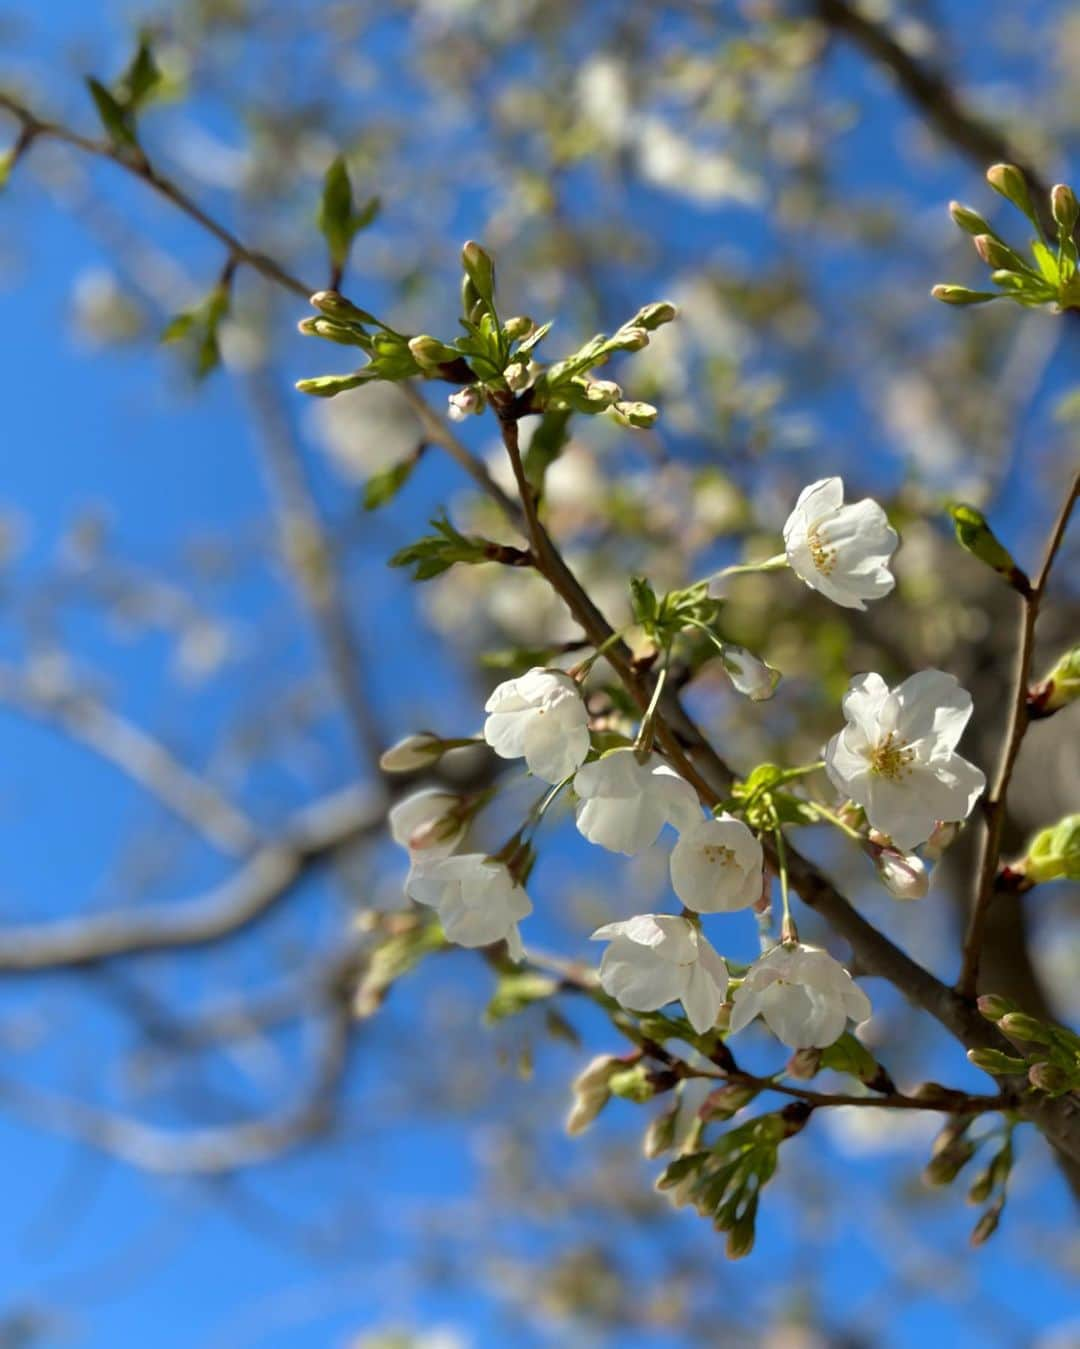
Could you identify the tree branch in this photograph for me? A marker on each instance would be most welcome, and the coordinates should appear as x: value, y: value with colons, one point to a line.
x: 996, y: 804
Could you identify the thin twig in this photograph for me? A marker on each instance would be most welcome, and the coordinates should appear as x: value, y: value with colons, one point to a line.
x: 995, y: 805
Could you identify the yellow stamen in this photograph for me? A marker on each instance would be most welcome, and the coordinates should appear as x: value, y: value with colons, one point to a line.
x: 824, y: 557
x: 891, y: 757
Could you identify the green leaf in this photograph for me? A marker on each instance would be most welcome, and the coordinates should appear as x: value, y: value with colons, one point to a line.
x: 851, y: 1056
x: 336, y: 210
x: 383, y: 487
x: 1047, y: 262
x: 141, y: 79
x: 114, y: 116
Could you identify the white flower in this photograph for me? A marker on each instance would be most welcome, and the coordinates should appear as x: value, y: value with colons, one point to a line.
x: 476, y: 898
x: 843, y: 551
x: 896, y: 755
x: 541, y: 717
x: 904, y: 875
x: 428, y: 824
x: 716, y: 866
x: 411, y: 753
x: 804, y: 995
x: 750, y: 675
x: 623, y: 803
x: 657, y: 958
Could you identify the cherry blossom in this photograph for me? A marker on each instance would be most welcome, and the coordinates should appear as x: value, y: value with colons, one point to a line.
x: 657, y: 958
x: 716, y: 866
x: 842, y: 551
x: 542, y: 718
x: 624, y: 801
x: 476, y: 898
x: 804, y: 996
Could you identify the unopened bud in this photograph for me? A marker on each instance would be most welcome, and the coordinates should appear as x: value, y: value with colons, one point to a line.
x: 993, y: 1006
x: 653, y: 316
x: 975, y: 536
x: 633, y: 1084
x: 1048, y: 1077
x: 1064, y: 208
x: 641, y: 415
x: 592, y: 1091
x: 517, y: 327
x: 1020, y: 1026
x: 429, y: 353
x: 1057, y: 689
x: 412, y: 753
x: 749, y: 673
x: 902, y: 874
x: 336, y: 306
x: 630, y: 338
x: 995, y: 1062
x: 946, y: 1164
x: 517, y: 376
x: 1054, y: 854
x: 467, y: 402
x: 969, y: 221
x: 1009, y: 182
x: 480, y: 270
x: 996, y: 254
x: 981, y: 1188
x: 660, y: 1135
x: 726, y: 1101
x: 961, y: 295
x: 987, y: 1224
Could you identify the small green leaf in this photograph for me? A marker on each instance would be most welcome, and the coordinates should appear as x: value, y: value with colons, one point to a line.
x: 114, y: 117
x: 383, y: 487
x: 517, y: 990
x: 335, y: 211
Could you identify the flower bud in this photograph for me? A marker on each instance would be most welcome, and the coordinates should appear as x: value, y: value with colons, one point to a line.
x: 969, y: 221
x: 1020, y: 1026
x: 1048, y: 1077
x: 948, y: 1161
x: 961, y: 295
x: 987, y: 1224
x: 660, y: 1135
x: 336, y: 306
x: 1057, y: 689
x: 592, y: 1091
x: 726, y: 1101
x: 602, y: 392
x: 412, y: 753
x: 1054, y: 854
x: 480, y: 270
x: 749, y: 674
x: 632, y: 1084
x: 653, y: 316
x: 902, y: 874
x: 993, y: 1006
x: 1064, y: 207
x: 996, y: 254
x: 641, y: 415
x: 466, y: 402
x: 429, y: 353
x: 630, y: 338
x: 975, y: 536
x: 995, y: 1062
x: 517, y: 376
x: 1009, y: 182
x: 517, y: 327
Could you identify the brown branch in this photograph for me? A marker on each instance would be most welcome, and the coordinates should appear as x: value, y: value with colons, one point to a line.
x: 996, y: 804
x: 271, y: 873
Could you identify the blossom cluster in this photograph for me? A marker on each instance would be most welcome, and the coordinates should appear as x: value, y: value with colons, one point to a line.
x: 894, y: 764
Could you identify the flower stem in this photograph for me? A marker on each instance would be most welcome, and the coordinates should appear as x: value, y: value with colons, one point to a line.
x: 836, y: 821
x: 643, y: 742
x: 775, y: 563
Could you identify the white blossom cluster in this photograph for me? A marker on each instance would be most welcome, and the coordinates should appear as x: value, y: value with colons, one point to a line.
x: 895, y: 759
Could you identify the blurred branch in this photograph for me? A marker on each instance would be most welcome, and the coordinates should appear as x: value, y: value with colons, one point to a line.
x: 271, y: 872
x: 930, y: 91
x: 210, y: 1151
x: 310, y: 557
x: 131, y: 749
x: 995, y: 805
